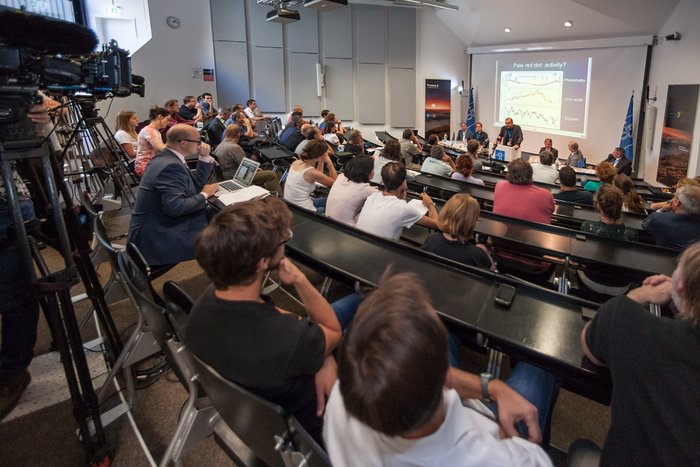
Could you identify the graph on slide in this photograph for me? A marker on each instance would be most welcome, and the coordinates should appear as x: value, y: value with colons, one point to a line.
x: 532, y: 98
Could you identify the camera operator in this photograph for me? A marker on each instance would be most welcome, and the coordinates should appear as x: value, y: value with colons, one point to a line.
x: 19, y: 304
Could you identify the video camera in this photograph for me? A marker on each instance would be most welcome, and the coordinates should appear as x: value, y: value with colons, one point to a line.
x: 41, y: 53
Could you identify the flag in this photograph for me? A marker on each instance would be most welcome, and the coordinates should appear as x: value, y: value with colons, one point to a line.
x: 626, y: 142
x: 471, y: 119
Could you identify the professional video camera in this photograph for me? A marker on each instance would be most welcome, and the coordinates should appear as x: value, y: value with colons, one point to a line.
x: 41, y: 53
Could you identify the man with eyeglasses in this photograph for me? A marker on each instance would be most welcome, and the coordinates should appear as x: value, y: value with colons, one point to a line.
x: 171, y: 203
x: 276, y: 354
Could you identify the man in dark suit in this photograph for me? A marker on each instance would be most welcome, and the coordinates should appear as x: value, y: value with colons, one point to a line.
x: 462, y: 134
x: 171, y: 203
x: 621, y: 163
x: 216, y: 127
x: 510, y: 135
x: 548, y: 147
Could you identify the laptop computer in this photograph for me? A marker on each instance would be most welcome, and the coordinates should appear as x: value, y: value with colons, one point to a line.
x: 242, y: 178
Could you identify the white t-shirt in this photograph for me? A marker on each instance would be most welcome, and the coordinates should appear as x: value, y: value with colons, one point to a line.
x: 123, y: 137
x: 332, y: 138
x: 465, y: 438
x: 346, y: 199
x: 385, y: 216
x: 379, y: 163
x: 544, y: 173
x: 436, y: 167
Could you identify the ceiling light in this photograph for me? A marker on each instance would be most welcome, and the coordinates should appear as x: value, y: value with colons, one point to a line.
x: 325, y: 5
x: 507, y: 29
x: 568, y: 23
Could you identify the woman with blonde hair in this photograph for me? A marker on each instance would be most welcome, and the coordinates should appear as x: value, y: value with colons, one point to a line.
x: 126, y: 135
x: 457, y: 220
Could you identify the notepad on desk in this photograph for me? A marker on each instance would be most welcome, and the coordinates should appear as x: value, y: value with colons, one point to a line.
x: 244, y: 194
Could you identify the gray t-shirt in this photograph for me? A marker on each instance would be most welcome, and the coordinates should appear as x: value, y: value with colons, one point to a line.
x: 230, y: 157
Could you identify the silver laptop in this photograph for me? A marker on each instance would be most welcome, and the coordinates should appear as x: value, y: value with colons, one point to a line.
x: 243, y: 177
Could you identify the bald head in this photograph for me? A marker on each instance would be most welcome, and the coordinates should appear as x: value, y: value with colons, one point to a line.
x: 180, y: 132
x: 307, y: 130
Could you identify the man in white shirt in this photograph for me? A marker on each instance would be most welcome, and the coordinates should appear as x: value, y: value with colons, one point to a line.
x: 542, y: 171
x: 397, y: 403
x: 253, y: 112
x: 438, y: 163
x: 385, y: 213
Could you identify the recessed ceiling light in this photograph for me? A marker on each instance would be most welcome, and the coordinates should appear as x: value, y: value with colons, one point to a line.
x: 507, y: 29
x: 568, y: 23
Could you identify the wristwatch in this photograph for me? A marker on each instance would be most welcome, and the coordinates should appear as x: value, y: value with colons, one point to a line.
x: 485, y: 379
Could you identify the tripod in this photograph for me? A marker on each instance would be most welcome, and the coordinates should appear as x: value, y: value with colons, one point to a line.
x: 54, y: 288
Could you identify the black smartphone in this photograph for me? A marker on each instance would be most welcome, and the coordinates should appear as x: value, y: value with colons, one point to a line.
x: 505, y: 295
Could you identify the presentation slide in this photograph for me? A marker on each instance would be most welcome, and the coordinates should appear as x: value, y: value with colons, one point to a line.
x: 548, y: 96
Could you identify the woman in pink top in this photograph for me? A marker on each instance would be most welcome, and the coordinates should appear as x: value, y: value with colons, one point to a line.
x: 150, y: 142
x: 350, y: 190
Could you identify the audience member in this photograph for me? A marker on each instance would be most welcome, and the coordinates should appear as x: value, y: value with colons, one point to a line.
x: 305, y: 173
x: 575, y: 158
x: 390, y: 153
x: 247, y: 132
x: 655, y: 368
x: 355, y: 143
x: 548, y: 147
x: 472, y: 151
x: 620, y: 162
x: 410, y: 147
x: 398, y: 403
x: 216, y: 127
x: 291, y: 135
x: 438, y: 163
x: 330, y: 134
x: 149, y: 141
x: 189, y: 109
x: 605, y: 172
x: 542, y: 171
x: 633, y: 202
x: 206, y: 103
x: 126, y: 132
x: 310, y: 133
x: 568, y: 191
x: 464, y: 169
x: 253, y: 111
x: 386, y: 213
x: 274, y: 353
x: 231, y: 154
x: 666, y: 205
x: 170, y: 207
x: 295, y: 109
x: 350, y: 190
x: 680, y: 227
x: 172, y: 106
x: 510, y: 135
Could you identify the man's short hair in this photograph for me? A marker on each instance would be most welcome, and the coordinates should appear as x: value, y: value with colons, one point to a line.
x: 187, y: 99
x: 392, y: 362
x: 437, y: 151
x: 574, y: 145
x: 308, y: 132
x: 179, y: 132
x: 393, y: 175
x: 236, y: 115
x: 608, y: 200
x: 407, y: 133
x: 547, y: 139
x: 689, y: 196
x: 472, y: 146
x: 567, y: 177
x: 205, y: 94
x: 519, y: 172
x: 231, y: 246
x: 621, y: 151
x: 359, y: 168
x: 170, y: 102
x: 689, y: 265
x: 355, y: 137
x: 249, y: 101
x: 232, y: 132
x: 433, y: 139
x: 324, y: 112
x: 458, y: 216
x: 546, y: 158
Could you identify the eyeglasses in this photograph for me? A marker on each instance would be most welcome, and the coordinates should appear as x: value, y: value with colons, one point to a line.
x: 191, y: 141
x: 291, y: 236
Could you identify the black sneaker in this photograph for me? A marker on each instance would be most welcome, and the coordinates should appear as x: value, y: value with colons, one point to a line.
x: 12, y: 385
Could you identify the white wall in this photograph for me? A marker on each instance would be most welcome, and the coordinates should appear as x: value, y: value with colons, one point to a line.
x: 166, y: 61
x: 675, y: 62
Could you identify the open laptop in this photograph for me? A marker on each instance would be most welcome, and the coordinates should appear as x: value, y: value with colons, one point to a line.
x: 243, y: 177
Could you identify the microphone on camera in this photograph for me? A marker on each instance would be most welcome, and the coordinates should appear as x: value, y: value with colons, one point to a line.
x: 51, y: 36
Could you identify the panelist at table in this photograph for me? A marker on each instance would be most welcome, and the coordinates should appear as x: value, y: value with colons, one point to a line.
x: 480, y: 135
x: 510, y: 135
x: 621, y: 163
x: 548, y: 147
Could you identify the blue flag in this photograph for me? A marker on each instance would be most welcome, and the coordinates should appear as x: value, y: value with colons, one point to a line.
x: 626, y: 142
x: 471, y: 119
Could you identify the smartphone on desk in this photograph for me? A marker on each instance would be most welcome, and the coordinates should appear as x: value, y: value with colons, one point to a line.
x: 505, y: 295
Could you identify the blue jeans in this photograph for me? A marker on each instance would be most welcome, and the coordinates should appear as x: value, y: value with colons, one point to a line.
x: 345, y: 308
x: 320, y: 204
x: 19, y: 304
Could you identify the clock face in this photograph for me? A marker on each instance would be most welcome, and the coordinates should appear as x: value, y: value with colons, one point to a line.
x: 173, y: 21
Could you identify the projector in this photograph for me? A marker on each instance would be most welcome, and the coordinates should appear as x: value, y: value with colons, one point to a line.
x: 282, y: 15
x: 325, y: 5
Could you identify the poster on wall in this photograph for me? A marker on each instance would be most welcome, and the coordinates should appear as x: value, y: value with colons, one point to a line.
x: 437, y: 107
x: 677, y: 136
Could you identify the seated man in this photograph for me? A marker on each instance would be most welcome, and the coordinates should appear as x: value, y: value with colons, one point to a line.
x: 681, y: 226
x: 189, y: 109
x: 216, y: 126
x: 480, y: 136
x: 386, y: 213
x: 355, y: 144
x: 542, y: 171
x: 291, y: 135
x: 655, y: 368
x: 410, y: 147
x: 247, y: 131
x: 397, y: 403
x: 170, y: 207
x: 575, y: 158
x: 568, y: 191
x: 253, y: 112
x: 310, y: 133
x: 548, y: 147
x: 620, y: 162
x: 243, y: 335
x: 231, y: 154
x: 438, y: 163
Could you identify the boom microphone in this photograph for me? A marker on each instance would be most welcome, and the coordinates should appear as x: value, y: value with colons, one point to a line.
x: 18, y: 29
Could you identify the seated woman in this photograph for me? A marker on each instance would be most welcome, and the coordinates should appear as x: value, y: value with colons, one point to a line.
x: 465, y: 167
x: 126, y: 134
x: 457, y: 220
x: 355, y: 144
x: 350, y: 190
x: 606, y: 173
x: 330, y: 134
x: 633, y: 202
x: 608, y: 202
x: 390, y: 153
x: 149, y: 141
x: 438, y: 163
x: 305, y: 173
